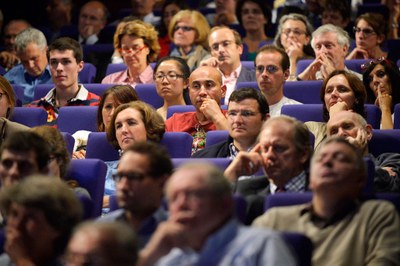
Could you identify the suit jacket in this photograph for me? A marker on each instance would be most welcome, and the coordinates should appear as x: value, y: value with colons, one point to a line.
x: 219, y: 150
x: 246, y: 75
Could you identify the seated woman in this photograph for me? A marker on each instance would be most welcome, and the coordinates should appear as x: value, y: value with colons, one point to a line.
x: 255, y: 17
x: 172, y: 79
x: 294, y: 36
x: 130, y: 123
x: 41, y: 213
x: 7, y: 104
x: 370, y: 30
x: 381, y: 79
x: 340, y: 91
x: 189, y: 31
x: 138, y: 44
x: 111, y: 99
x: 168, y: 10
x: 59, y: 157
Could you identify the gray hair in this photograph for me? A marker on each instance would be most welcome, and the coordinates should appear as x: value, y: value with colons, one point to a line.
x: 292, y: 16
x: 343, y: 38
x: 27, y: 36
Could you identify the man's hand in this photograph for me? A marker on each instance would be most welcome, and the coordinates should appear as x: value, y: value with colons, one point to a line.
x: 361, y: 140
x: 8, y: 60
x: 327, y: 66
x: 212, y: 62
x: 310, y: 72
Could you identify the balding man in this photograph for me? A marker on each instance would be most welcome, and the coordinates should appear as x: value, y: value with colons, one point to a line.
x: 205, y: 92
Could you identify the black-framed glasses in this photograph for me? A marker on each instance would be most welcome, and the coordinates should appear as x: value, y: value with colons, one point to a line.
x: 367, y: 32
x: 270, y: 69
x: 373, y: 61
x: 243, y: 113
x: 380, y: 74
x: 183, y: 28
x: 170, y: 76
x: 131, y: 176
x: 296, y: 32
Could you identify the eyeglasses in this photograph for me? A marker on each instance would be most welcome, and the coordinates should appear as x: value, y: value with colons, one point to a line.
x: 131, y: 176
x: 296, y: 32
x: 380, y: 74
x: 243, y: 113
x: 373, y: 61
x: 170, y: 76
x: 183, y: 28
x: 132, y: 50
x: 367, y: 32
x: 270, y: 69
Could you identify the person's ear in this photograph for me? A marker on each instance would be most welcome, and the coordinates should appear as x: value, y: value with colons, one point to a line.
x: 368, y: 128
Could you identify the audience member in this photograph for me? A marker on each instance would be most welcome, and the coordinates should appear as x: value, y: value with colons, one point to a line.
x: 41, y: 213
x: 31, y: 48
x: 142, y: 172
x: 168, y: 10
x: 7, y: 104
x: 247, y: 111
x: 8, y: 57
x: 340, y: 91
x: 65, y: 56
x: 255, y: 18
x: 189, y: 31
x: 338, y: 13
x: 355, y: 129
x: 361, y: 232
x: 331, y: 45
x: 22, y: 154
x: 381, y: 78
x: 226, y: 48
x: 59, y: 157
x: 370, y: 31
x: 59, y: 15
x: 394, y: 17
x: 116, y: 57
x: 143, y: 10
x: 92, y: 19
x: 201, y: 229
x: 272, y: 71
x: 205, y: 91
x: 110, y: 100
x: 137, y: 43
x: 283, y: 154
x: 131, y: 122
x: 224, y: 13
x: 294, y: 35
x: 102, y: 244
x: 171, y: 76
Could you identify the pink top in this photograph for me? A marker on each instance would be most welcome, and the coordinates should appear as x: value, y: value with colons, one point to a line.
x: 123, y: 78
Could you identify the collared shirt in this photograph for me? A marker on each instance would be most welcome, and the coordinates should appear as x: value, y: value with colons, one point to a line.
x: 233, y: 151
x: 296, y: 184
x: 48, y: 103
x: 123, y: 78
x: 147, y: 227
x: 152, y: 19
x: 275, y: 109
x: 230, y: 82
x: 19, y: 76
x: 92, y: 39
x: 229, y: 245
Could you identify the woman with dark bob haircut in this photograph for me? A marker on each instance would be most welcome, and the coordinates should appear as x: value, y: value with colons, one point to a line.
x: 341, y: 90
x: 381, y: 79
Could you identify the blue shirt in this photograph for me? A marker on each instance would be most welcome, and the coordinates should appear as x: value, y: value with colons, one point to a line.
x: 19, y: 76
x: 234, y: 244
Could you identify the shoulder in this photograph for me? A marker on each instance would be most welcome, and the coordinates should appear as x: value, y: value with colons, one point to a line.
x: 111, y: 216
x: 114, y: 77
x: 178, y: 121
x: 218, y: 150
x: 277, y: 217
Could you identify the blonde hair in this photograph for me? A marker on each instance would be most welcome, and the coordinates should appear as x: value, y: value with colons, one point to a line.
x: 199, y: 22
x: 142, y: 30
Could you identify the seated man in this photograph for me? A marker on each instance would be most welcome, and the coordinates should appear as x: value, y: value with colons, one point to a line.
x: 247, y: 111
x: 226, y: 48
x: 65, y: 56
x: 92, y: 19
x: 344, y: 230
x: 355, y: 129
x: 272, y: 71
x: 102, y: 244
x: 31, y: 48
x: 142, y: 172
x: 205, y: 92
x: 8, y: 57
x: 201, y: 229
x: 283, y: 154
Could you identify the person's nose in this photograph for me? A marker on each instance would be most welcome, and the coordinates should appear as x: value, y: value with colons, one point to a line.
x: 13, y: 171
x: 341, y: 132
